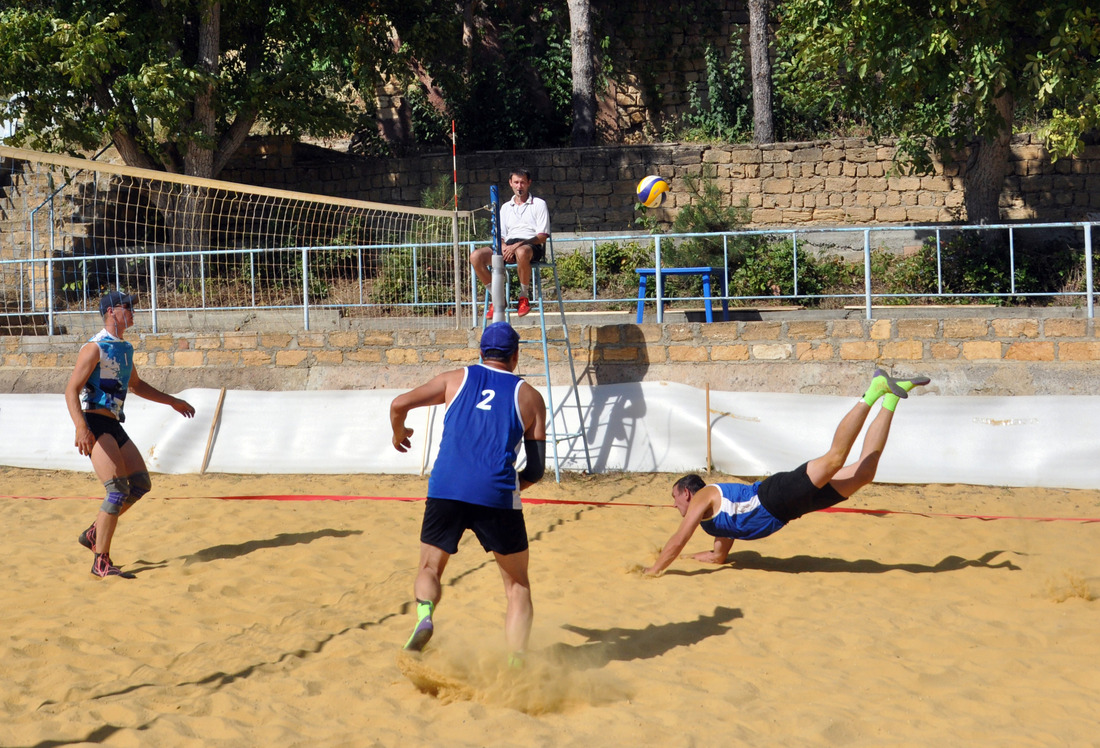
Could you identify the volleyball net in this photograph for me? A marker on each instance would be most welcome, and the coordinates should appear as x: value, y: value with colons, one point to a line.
x: 205, y: 253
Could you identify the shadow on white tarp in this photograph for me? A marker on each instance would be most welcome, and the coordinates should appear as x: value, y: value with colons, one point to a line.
x: 645, y: 427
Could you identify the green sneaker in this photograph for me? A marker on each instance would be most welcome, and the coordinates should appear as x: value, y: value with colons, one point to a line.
x: 890, y: 400
x: 882, y: 384
x: 424, y: 627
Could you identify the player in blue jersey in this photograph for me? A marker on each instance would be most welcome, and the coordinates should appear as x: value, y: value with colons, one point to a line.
x: 491, y: 414
x: 731, y: 511
x: 104, y: 374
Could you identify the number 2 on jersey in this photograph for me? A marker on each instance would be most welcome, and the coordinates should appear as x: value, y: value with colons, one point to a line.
x: 488, y: 395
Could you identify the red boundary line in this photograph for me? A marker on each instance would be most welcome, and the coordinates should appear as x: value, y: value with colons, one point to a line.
x: 569, y: 502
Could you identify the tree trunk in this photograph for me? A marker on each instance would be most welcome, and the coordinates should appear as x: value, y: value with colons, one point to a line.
x: 584, y: 73
x: 192, y: 224
x: 986, y: 168
x: 763, y: 120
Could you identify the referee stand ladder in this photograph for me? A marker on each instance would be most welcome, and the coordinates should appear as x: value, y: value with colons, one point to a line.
x: 559, y: 428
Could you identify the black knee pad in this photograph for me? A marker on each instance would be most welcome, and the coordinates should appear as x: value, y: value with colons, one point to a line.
x: 118, y: 491
x: 140, y: 484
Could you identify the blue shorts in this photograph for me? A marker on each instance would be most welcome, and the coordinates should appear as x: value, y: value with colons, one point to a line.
x: 500, y: 531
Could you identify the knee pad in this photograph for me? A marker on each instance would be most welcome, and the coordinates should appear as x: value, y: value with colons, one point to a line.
x: 118, y: 490
x: 139, y: 486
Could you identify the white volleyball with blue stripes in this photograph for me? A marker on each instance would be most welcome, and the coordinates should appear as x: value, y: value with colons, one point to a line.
x: 652, y: 191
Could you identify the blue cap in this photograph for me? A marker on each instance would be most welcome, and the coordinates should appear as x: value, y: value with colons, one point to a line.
x: 115, y: 298
x: 501, y: 339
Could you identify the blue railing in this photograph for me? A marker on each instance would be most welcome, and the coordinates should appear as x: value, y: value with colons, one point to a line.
x: 427, y: 288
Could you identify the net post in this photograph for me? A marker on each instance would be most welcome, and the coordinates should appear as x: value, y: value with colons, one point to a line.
x: 497, y: 290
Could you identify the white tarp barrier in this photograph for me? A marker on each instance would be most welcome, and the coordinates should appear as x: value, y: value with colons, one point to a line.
x: 646, y: 427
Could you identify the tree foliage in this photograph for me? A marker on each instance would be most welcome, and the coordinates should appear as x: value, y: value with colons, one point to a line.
x: 946, y: 75
x: 172, y: 78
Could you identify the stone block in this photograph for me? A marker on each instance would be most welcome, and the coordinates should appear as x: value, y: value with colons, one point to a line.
x: 918, y: 328
x: 1065, y: 328
x: 881, y: 329
x: 943, y: 351
x: 965, y: 328
x: 1037, y: 350
x: 761, y: 330
x: 772, y: 351
x: 1078, y: 351
x: 245, y: 340
x: 624, y: 353
x: 739, y: 352
x: 860, y: 350
x: 218, y: 358
x: 903, y: 350
x: 290, y: 358
x: 188, y: 358
x: 814, y: 351
x: 1015, y: 328
x: 686, y: 353
x: 975, y: 350
x: 811, y: 329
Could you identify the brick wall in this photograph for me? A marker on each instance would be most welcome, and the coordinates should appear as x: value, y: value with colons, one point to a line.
x: 965, y: 356
x: 834, y: 182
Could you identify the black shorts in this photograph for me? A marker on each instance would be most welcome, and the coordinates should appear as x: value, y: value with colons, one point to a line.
x: 500, y: 531
x: 790, y: 495
x: 538, y: 251
x: 100, y: 425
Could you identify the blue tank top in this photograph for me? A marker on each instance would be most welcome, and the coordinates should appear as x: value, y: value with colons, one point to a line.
x: 742, y: 516
x: 110, y: 380
x: 482, y: 434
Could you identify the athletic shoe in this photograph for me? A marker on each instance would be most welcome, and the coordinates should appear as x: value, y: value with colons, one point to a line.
x: 87, y: 538
x: 102, y: 567
x: 523, y: 307
x: 890, y: 400
x: 911, y: 382
x: 882, y: 383
x: 424, y: 627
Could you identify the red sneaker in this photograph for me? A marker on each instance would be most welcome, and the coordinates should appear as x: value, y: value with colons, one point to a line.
x: 523, y: 307
x: 102, y: 567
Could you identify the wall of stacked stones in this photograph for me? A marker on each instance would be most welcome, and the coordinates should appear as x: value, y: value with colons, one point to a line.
x: 847, y: 181
x: 965, y: 356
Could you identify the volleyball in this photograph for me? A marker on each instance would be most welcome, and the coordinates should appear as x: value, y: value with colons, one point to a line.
x: 651, y: 191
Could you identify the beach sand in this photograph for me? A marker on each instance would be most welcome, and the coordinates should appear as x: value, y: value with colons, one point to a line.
x: 280, y: 623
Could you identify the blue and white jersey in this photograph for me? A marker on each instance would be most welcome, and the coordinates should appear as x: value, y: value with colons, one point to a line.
x: 482, y: 435
x: 742, y: 516
x: 110, y: 380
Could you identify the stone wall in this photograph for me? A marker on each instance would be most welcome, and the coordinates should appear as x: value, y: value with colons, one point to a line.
x: 819, y: 183
x: 997, y: 355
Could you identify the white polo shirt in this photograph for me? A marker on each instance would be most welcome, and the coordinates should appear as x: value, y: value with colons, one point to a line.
x: 525, y: 220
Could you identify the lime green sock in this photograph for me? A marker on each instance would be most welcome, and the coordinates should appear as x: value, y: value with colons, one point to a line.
x: 424, y: 609
x: 890, y: 401
x: 878, y: 388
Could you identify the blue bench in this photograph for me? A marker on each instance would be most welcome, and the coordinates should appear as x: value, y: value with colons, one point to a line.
x: 706, y: 272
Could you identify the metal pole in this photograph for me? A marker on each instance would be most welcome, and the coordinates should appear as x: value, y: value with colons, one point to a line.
x: 305, y: 288
x: 1011, y: 261
x: 1088, y: 266
x: 458, y: 270
x: 153, y: 290
x: 496, y: 293
x: 867, y: 270
x: 659, y: 285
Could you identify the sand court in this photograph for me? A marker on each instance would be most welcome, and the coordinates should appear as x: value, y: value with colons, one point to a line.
x: 263, y: 622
